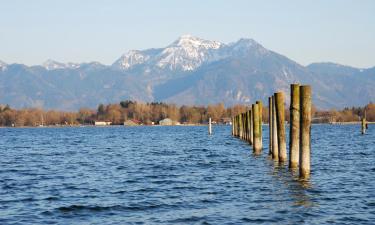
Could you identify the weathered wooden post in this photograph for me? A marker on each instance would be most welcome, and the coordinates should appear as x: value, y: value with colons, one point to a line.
x: 270, y: 124
x: 241, y: 130
x: 232, y: 123
x: 235, y: 126
x: 247, y: 126
x: 280, y: 117
x: 275, y: 146
x: 260, y: 122
x: 209, y: 126
x: 305, y: 131
x: 251, y: 127
x: 256, y: 144
x: 363, y: 125
x: 243, y: 125
x: 294, y: 126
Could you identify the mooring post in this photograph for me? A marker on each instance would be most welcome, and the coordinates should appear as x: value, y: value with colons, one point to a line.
x: 251, y: 127
x: 246, y: 132
x: 270, y: 124
x: 232, y: 119
x: 209, y: 126
x: 280, y: 117
x: 260, y: 107
x: 243, y: 125
x: 294, y: 126
x: 248, y: 127
x: 256, y: 144
x: 305, y: 131
x: 275, y: 146
x: 363, y: 125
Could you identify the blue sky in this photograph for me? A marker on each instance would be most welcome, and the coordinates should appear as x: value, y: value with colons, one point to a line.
x: 306, y: 31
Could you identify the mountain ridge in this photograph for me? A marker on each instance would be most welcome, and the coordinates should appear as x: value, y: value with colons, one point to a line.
x: 190, y: 70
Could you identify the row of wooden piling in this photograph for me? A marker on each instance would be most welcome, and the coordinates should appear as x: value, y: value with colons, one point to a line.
x: 248, y: 126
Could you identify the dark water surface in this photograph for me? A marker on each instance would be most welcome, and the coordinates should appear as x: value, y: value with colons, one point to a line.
x: 181, y: 175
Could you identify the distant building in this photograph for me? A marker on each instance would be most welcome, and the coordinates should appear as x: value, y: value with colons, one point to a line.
x: 166, y: 122
x: 102, y: 123
x: 131, y: 123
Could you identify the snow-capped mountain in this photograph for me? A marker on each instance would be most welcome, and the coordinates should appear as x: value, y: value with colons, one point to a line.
x: 185, y: 54
x: 189, y: 71
x: 53, y: 65
x: 3, y: 65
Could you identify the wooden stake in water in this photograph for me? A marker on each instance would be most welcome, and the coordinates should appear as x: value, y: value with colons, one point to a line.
x: 294, y: 126
x: 270, y: 124
x: 280, y: 118
x: 251, y: 128
x: 209, y: 126
x: 260, y: 104
x: 363, y: 125
x: 275, y: 146
x: 305, y: 131
x: 256, y: 144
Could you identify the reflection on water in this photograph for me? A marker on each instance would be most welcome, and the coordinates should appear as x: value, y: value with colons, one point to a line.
x: 180, y: 175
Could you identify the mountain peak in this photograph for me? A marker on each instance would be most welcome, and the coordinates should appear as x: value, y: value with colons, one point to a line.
x: 2, y: 64
x: 188, y: 40
x: 54, y: 65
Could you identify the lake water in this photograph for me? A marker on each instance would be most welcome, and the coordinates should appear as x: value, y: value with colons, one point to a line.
x: 169, y: 175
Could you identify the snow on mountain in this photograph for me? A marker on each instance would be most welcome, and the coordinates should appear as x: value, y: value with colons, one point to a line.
x: 130, y: 59
x: 53, y: 65
x: 3, y: 66
x: 187, y: 53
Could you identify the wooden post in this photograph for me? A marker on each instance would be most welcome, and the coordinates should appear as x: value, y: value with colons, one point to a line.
x: 256, y: 144
x: 294, y: 126
x: 248, y: 126
x: 275, y: 146
x: 260, y: 122
x: 280, y: 117
x: 232, y: 119
x: 209, y: 126
x: 236, y: 125
x: 245, y: 121
x: 363, y: 125
x: 305, y: 131
x: 270, y: 124
x: 251, y: 127
x: 243, y: 125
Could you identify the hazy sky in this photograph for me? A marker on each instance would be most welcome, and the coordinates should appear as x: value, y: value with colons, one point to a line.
x: 306, y: 31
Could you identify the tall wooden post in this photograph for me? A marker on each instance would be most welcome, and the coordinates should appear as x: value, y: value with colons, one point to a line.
x: 280, y: 117
x: 294, y: 126
x: 256, y: 144
x: 260, y: 122
x: 305, y: 131
x: 209, y: 126
x: 270, y: 124
x: 275, y: 146
x: 251, y: 127
x: 363, y: 125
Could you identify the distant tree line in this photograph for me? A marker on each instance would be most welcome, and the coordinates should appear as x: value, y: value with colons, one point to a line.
x: 148, y: 113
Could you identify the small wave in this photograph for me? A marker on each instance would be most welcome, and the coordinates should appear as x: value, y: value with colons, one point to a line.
x: 96, y: 208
